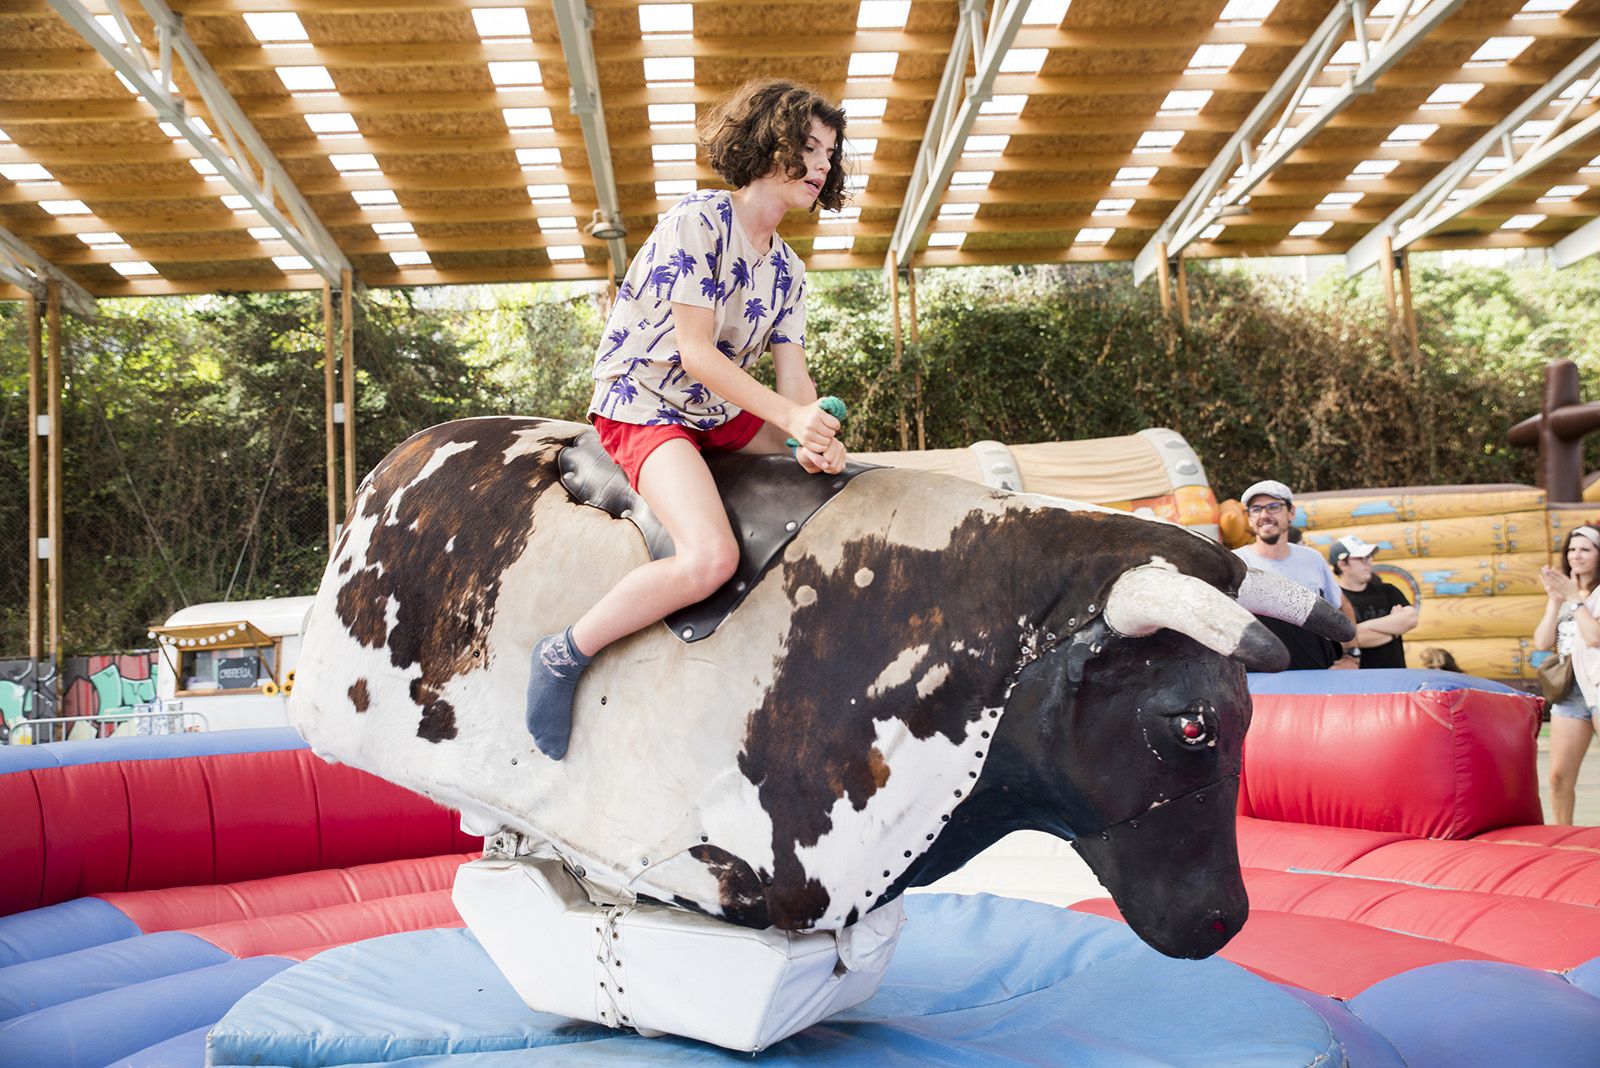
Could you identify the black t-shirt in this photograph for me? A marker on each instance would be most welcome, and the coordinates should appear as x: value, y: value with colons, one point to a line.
x: 1374, y: 602
x: 1307, y: 651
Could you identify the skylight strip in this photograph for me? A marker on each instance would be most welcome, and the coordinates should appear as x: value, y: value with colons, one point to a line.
x: 305, y: 79
x: 493, y: 22
x: 275, y: 27
x: 872, y: 64
x: 883, y: 14
x: 659, y: 19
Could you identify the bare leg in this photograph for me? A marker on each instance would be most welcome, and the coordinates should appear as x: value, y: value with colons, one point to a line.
x: 768, y: 439
x: 1569, y: 740
x: 678, y: 487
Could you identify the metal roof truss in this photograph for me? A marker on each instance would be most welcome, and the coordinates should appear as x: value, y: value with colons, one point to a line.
x: 1443, y: 198
x: 26, y: 269
x: 955, y: 109
x: 246, y: 153
x: 575, y: 21
x: 1225, y: 185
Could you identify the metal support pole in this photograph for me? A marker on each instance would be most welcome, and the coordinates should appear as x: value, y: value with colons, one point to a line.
x: 899, y: 347
x: 1410, y: 312
x: 916, y: 338
x: 349, y: 327
x: 330, y: 348
x: 35, y: 488
x: 1182, y: 287
x: 53, y: 468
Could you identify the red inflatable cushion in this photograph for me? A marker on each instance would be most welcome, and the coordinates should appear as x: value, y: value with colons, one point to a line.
x: 190, y: 907
x: 1539, y: 934
x: 21, y: 844
x: 1547, y: 835
x: 303, y: 933
x: 1269, y: 844
x: 1549, y: 874
x: 140, y: 824
x: 1526, y: 871
x: 1339, y: 958
x: 1434, y: 763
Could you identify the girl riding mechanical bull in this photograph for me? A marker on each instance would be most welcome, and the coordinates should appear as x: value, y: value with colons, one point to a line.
x: 713, y: 289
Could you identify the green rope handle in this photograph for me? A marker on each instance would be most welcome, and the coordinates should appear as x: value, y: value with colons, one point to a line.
x: 834, y: 407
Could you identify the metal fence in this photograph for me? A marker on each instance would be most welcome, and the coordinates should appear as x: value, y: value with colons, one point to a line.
x: 145, y: 721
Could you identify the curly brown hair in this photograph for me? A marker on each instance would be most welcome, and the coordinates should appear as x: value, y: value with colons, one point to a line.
x: 764, y: 126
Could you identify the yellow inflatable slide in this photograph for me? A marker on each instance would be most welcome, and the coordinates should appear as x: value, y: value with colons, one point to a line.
x: 1472, y: 553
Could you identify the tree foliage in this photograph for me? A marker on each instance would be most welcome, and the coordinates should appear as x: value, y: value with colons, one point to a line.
x: 193, y: 428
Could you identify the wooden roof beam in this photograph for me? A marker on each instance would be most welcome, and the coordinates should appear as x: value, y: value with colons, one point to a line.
x: 244, y: 151
x: 1098, y: 39
x: 1110, y: 85
x: 1442, y: 199
x: 521, y: 233
x: 96, y: 194
x: 1238, y: 168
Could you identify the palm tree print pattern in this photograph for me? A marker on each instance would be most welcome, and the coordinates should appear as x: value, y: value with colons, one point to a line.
x: 696, y: 255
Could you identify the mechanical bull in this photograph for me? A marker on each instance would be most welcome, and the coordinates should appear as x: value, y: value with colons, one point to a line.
x: 925, y: 666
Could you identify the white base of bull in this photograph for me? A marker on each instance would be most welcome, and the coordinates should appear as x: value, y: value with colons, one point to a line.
x: 660, y: 970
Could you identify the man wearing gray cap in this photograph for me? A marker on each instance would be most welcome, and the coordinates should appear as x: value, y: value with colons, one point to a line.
x: 1382, y: 612
x: 1269, y: 504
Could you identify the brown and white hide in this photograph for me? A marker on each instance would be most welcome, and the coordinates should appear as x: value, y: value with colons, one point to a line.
x: 786, y: 770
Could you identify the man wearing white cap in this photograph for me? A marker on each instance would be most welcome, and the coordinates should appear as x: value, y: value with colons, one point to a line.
x: 1382, y: 612
x: 1269, y: 504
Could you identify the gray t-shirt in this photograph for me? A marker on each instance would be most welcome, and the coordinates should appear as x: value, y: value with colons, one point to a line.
x: 1303, y: 565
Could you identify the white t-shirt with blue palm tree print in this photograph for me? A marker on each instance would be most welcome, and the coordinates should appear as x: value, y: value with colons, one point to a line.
x: 697, y: 255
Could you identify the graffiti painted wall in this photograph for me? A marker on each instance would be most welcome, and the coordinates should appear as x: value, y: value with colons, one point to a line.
x: 93, y: 688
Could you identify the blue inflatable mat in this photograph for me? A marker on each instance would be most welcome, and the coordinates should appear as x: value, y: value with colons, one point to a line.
x: 1586, y: 976
x: 1484, y: 1014
x: 39, y: 984
x: 187, y: 1050
x: 151, y: 747
x: 1373, y: 680
x: 976, y: 980
x: 64, y: 928
x: 116, y: 1023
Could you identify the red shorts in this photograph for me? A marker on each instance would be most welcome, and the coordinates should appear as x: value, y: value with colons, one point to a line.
x: 630, y: 444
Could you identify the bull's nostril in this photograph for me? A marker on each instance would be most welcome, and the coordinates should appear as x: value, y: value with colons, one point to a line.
x: 1219, y: 927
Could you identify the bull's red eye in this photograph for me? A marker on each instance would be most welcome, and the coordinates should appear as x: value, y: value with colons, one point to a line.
x: 1193, y: 728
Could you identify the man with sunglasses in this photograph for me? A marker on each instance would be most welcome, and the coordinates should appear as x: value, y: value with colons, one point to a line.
x: 1269, y: 505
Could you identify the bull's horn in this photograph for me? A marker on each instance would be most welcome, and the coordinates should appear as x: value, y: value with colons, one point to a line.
x: 1151, y: 597
x: 1273, y: 595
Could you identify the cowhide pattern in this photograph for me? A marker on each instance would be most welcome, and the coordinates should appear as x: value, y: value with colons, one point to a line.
x: 789, y: 769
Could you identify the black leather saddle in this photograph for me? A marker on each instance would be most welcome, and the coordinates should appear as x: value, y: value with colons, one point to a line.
x: 768, y: 498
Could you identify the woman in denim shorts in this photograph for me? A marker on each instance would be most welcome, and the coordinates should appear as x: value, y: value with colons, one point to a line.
x: 1570, y: 626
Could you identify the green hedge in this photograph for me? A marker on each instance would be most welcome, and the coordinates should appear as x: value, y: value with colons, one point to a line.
x: 1269, y: 378
x: 193, y: 427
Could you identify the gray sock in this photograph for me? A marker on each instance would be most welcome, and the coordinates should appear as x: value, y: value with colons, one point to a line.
x: 552, y: 681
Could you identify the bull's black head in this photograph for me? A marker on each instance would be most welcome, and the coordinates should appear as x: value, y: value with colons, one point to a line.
x: 1130, y: 748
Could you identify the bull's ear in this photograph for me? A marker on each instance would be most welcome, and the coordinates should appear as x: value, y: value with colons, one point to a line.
x: 1083, y: 646
x: 1156, y: 596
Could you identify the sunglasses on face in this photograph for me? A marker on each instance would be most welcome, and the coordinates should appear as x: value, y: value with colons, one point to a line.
x: 1275, y: 508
